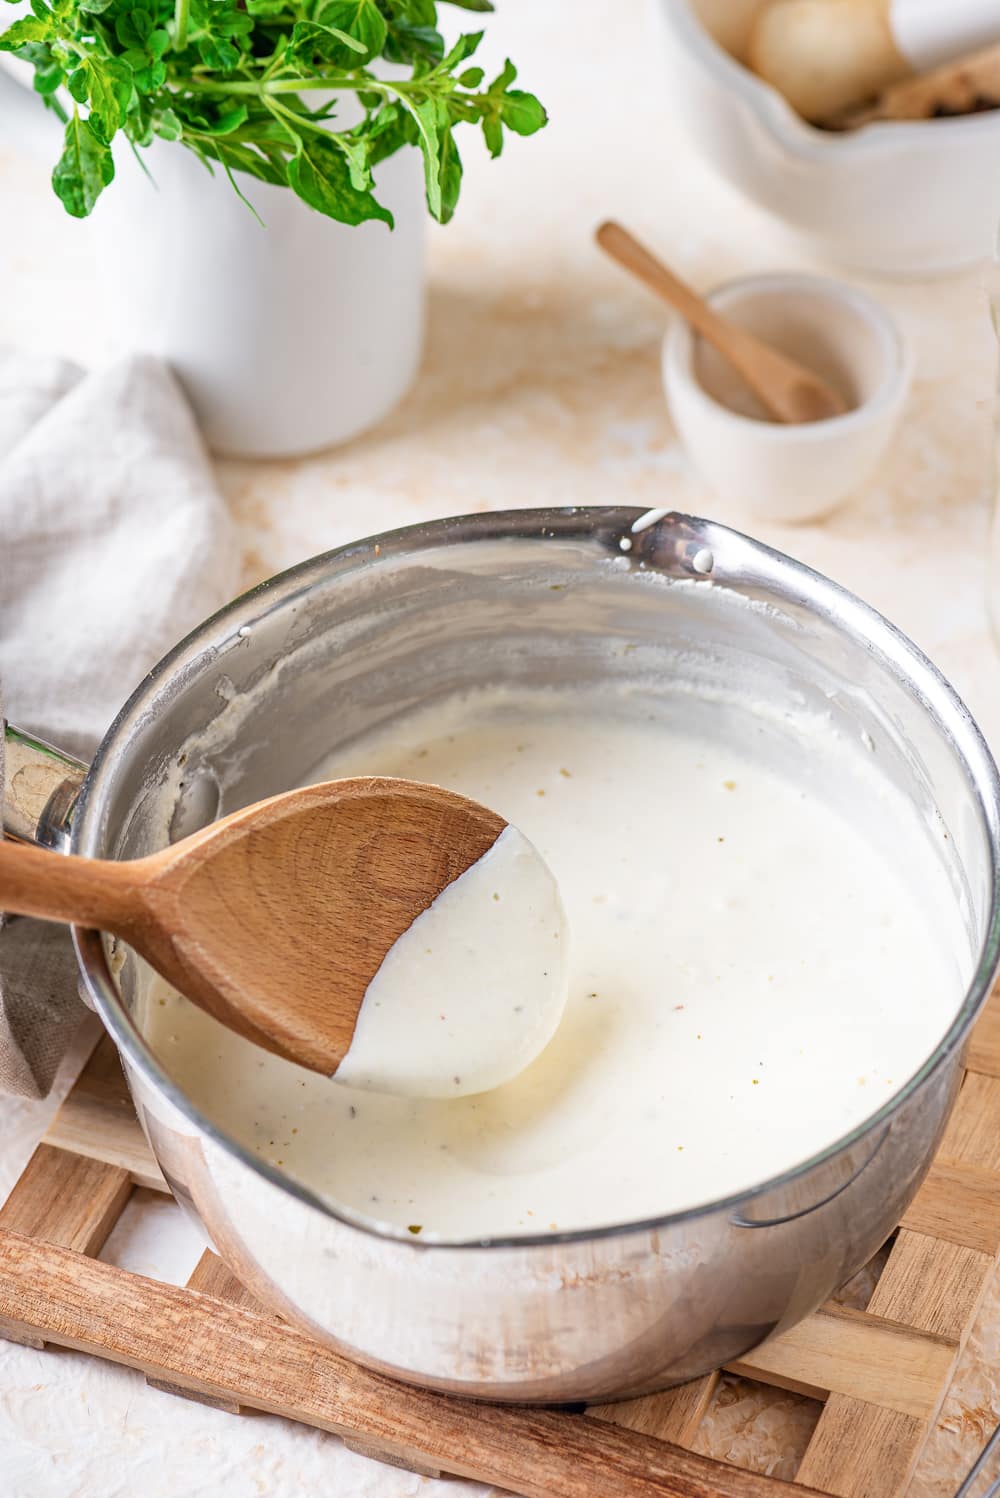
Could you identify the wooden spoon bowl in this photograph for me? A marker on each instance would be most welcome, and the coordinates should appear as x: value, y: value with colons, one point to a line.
x: 275, y: 919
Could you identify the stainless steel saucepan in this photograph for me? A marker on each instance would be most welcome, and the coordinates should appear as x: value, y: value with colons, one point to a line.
x: 260, y: 694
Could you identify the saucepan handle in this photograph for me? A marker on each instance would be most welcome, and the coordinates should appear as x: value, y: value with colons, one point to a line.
x: 41, y: 786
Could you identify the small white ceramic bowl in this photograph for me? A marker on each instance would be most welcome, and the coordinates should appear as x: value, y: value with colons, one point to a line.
x: 789, y: 473
x: 898, y: 198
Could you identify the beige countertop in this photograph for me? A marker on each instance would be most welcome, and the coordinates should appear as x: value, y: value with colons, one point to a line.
x: 540, y: 386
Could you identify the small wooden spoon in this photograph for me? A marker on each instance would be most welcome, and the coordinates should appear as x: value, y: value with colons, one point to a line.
x: 276, y: 918
x: 790, y: 392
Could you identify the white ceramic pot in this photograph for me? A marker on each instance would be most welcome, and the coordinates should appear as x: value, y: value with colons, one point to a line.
x: 899, y: 199
x: 789, y: 473
x: 288, y: 337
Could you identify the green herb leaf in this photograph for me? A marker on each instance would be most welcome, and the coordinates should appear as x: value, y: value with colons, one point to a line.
x: 480, y: 5
x: 229, y: 120
x: 236, y: 82
x: 236, y: 23
x: 106, y: 83
x: 314, y: 39
x: 167, y: 125
x: 451, y: 176
x: 84, y: 169
x: 428, y: 114
x: 28, y: 29
x: 320, y: 174
x: 148, y: 80
x: 522, y: 112
x: 360, y: 19
x: 132, y: 27
x: 388, y: 132
x: 357, y: 149
x: 222, y: 56
x: 76, y: 83
x: 406, y: 43
x: 414, y: 12
x: 234, y: 157
x: 502, y: 105
x: 493, y: 134
x: 49, y: 74
x: 463, y: 48
x: 139, y: 124
x: 503, y: 80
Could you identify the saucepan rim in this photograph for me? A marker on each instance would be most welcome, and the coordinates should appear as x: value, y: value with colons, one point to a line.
x: 583, y: 524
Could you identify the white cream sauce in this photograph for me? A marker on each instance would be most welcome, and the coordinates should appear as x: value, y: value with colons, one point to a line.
x: 750, y: 978
x: 474, y: 989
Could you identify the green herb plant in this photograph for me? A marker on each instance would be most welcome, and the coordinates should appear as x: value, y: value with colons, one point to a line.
x: 254, y: 86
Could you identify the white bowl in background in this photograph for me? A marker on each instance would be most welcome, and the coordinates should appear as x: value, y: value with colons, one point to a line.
x: 896, y: 198
x: 789, y: 473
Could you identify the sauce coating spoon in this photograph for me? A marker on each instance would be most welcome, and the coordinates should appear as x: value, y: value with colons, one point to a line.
x: 278, y: 919
x: 790, y: 392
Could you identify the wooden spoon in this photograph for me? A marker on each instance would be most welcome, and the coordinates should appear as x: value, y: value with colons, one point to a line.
x: 276, y: 918
x: 790, y: 392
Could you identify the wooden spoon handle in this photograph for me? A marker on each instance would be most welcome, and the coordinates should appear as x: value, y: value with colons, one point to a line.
x: 622, y: 246
x: 79, y: 891
x: 787, y: 390
x: 764, y: 369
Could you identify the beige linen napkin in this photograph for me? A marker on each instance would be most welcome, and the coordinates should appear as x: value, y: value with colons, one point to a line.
x: 114, y: 541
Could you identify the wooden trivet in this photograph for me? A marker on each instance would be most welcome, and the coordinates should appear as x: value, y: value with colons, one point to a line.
x: 882, y: 1372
